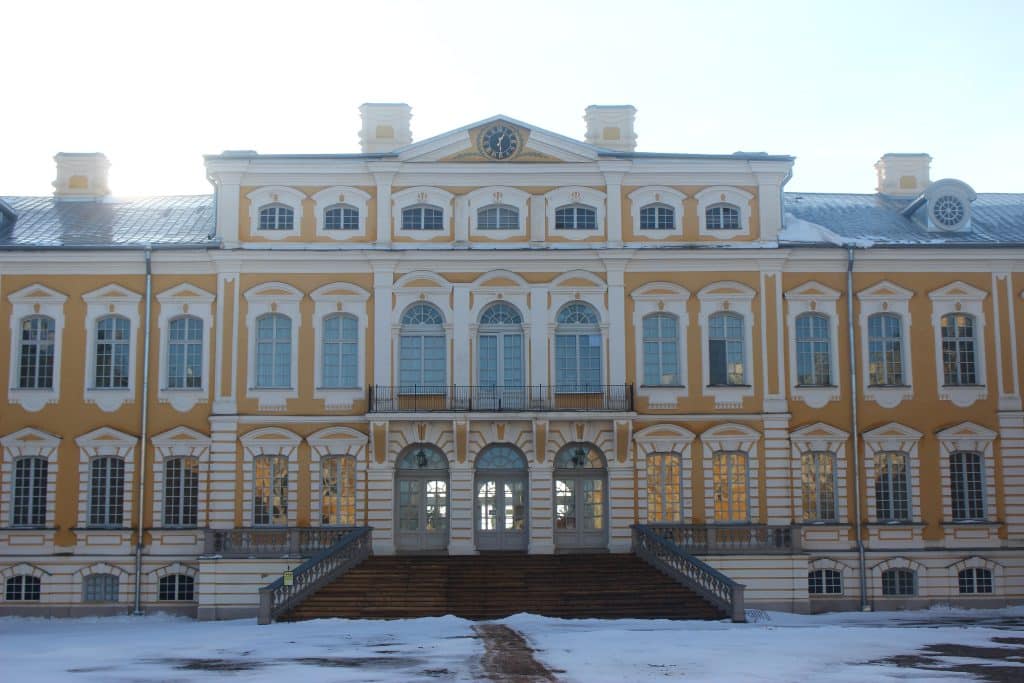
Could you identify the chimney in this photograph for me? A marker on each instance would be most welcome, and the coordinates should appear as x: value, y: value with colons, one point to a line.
x: 385, y: 126
x: 903, y: 175
x: 81, y: 176
x: 611, y: 126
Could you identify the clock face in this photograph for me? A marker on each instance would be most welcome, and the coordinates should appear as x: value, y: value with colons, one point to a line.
x: 499, y: 142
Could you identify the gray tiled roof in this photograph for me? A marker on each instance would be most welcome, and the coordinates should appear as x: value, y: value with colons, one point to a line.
x: 995, y: 218
x: 44, y: 222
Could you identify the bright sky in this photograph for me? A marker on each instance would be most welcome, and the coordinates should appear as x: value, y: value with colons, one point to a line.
x: 156, y: 85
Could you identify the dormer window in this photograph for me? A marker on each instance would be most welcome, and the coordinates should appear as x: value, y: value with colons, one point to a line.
x: 575, y: 217
x: 948, y: 205
x: 423, y: 217
x: 341, y: 217
x: 277, y: 217
x: 723, y: 217
x: 948, y: 210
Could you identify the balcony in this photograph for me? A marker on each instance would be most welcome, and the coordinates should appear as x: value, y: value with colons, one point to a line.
x: 493, y: 399
x: 271, y: 541
x: 730, y: 539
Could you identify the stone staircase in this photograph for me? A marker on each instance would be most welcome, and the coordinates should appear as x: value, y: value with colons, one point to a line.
x: 492, y: 586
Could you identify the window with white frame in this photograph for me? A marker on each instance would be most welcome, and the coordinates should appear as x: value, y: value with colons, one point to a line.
x: 500, y: 346
x: 422, y: 213
x: 818, y: 486
x: 967, y: 462
x: 892, y: 487
x: 36, y: 352
x: 657, y: 217
x: 338, y: 490
x: 657, y: 211
x: 885, y: 350
x: 181, y: 492
x: 31, y: 479
x: 575, y: 213
x: 23, y: 587
x: 974, y: 580
x: 112, y: 322
x: 176, y: 588
x: 664, y: 487
x: 577, y: 348
x: 270, y: 490
x: 340, y: 212
x: 106, y: 467
x: 277, y: 217
x: 724, y: 212
x: 497, y: 213
x: 339, y: 324
x: 341, y: 217
x: 726, y: 355
x: 824, y: 582
x: 661, y: 350
x: 967, y: 486
x: 37, y: 325
x: 896, y: 582
x: 106, y: 492
x: 273, y: 319
x: 575, y: 217
x: 497, y: 217
x: 184, y: 322
x: 270, y: 473
x: 722, y: 217
x: 340, y: 351
x: 959, y: 364
x: 893, y: 474
x: 100, y: 588
x: 422, y: 357
x: 185, y: 353
x: 886, y: 357
x: 813, y: 321
x: 731, y: 491
x: 423, y: 217
x: 273, y: 351
x: 275, y: 212
x: 813, y: 350
x: 726, y: 323
x: 112, y: 351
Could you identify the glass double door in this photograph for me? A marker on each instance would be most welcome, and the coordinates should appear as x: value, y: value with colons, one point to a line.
x: 422, y: 511
x: 581, y: 511
x: 500, y: 374
x: 500, y: 512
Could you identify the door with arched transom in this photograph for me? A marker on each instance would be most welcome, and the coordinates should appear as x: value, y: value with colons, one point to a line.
x: 581, y: 498
x: 500, y: 505
x: 421, y: 500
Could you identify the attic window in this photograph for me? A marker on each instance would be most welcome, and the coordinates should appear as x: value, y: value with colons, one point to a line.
x: 948, y: 211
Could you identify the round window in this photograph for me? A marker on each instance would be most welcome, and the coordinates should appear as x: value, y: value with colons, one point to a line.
x: 948, y: 210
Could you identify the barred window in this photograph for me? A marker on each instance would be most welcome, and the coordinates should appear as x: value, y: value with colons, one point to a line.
x: 729, y: 471
x: 885, y: 350
x: 179, y: 587
x: 892, y: 499
x: 35, y: 369
x: 974, y: 580
x: 967, y: 490
x: 726, y: 356
x: 661, y: 350
x: 722, y: 217
x: 575, y: 217
x: 23, y: 587
x: 30, y: 491
x: 498, y: 217
x: 899, y: 582
x: 423, y: 217
x: 100, y: 588
x: 338, y: 490
x: 113, y: 336
x: 664, y: 483
x: 813, y: 350
x: 657, y: 217
x: 341, y: 217
x: 181, y: 491
x: 270, y: 490
x: 818, y: 486
x: 340, y: 351
x: 959, y: 362
x: 185, y: 353
x: 106, y: 494
x: 277, y: 217
x: 273, y: 351
x: 824, y: 582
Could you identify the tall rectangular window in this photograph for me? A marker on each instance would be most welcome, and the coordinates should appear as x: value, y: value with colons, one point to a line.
x: 181, y: 492
x: 818, y: 486
x: 958, y: 350
x: 113, y: 336
x: 965, y: 477
x: 661, y: 350
x: 730, y: 487
x: 726, y: 357
x: 892, y: 499
x: 185, y: 353
x: 340, y: 351
x: 338, y: 491
x: 664, y: 480
x: 274, y: 351
x: 106, y: 492
x: 813, y: 350
x: 35, y: 370
x: 30, y: 492
x: 885, y: 350
x: 270, y: 490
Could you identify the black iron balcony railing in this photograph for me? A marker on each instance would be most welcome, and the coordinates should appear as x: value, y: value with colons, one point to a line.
x: 416, y: 398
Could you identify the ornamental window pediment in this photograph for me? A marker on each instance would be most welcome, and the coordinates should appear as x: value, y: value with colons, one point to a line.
x: 275, y: 212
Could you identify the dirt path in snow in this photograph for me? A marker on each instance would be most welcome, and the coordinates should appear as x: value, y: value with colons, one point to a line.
x: 508, y: 658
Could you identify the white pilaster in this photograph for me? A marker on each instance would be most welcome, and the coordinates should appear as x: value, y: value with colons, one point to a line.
x: 539, y: 335
x: 460, y: 503
x: 383, y: 285
x: 542, y: 537
x: 229, y: 191
x: 381, y: 506
x: 613, y: 188
x: 384, y: 176
x: 1011, y: 447
x: 620, y: 506
x: 537, y: 214
x: 616, y: 322
x: 770, y: 177
x: 461, y: 366
x: 778, y: 494
x: 223, y: 472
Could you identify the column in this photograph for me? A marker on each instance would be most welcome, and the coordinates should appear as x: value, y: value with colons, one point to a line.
x: 620, y: 505
x: 461, y: 366
x: 778, y: 494
x: 460, y: 506
x: 539, y: 335
x: 223, y: 472
x: 617, y: 321
x: 380, y: 491
x: 541, y: 487
x: 383, y: 176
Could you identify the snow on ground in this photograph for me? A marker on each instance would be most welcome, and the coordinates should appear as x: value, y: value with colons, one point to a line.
x: 776, y: 646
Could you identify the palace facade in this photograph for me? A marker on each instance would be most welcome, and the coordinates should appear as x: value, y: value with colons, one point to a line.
x: 504, y: 339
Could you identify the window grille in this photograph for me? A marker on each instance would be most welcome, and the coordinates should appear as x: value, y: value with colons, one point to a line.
x: 273, y: 351
x: 35, y: 369
x: 722, y: 217
x: 959, y: 363
x: 177, y: 587
x: 575, y: 217
x: 730, y: 487
x: 974, y: 580
x: 113, y: 336
x: 498, y: 217
x: 892, y: 486
x: 967, y: 489
x: 270, y: 490
x: 818, y: 486
x: 657, y: 217
x: 100, y: 588
x: 661, y: 350
x: 30, y: 479
x: 824, y: 582
x: 341, y: 217
x: 181, y: 492
x: 340, y: 354
x: 277, y: 217
x: 423, y: 218
x: 185, y: 353
x: 899, y: 582
x: 338, y: 491
x: 885, y: 350
x: 664, y: 488
x: 813, y: 350
x: 106, y: 496
x: 23, y: 587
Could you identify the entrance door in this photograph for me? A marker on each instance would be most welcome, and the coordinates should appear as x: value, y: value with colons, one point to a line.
x: 581, y: 500
x: 421, y: 500
x: 501, y: 499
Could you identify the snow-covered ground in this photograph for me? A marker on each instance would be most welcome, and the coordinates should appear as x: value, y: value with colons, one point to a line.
x: 949, y: 644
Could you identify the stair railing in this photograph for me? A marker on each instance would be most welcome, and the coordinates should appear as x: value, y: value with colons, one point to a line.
x: 276, y: 598
x: 673, y: 560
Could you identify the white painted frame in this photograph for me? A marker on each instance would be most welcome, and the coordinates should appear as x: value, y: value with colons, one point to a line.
x: 586, y: 196
x: 886, y: 297
x: 723, y: 194
x: 732, y: 438
x: 736, y: 298
x: 960, y: 297
x: 27, y: 569
x: 348, y: 299
x: 974, y: 562
x: 819, y: 438
x: 124, y: 582
x: 814, y: 297
x: 272, y: 297
x: 271, y: 441
x: 828, y: 563
x: 968, y: 437
x: 30, y: 301
x: 334, y: 441
x: 26, y: 443
x: 898, y: 438
x: 657, y: 194
x: 104, y: 443
x: 180, y: 442
x: 110, y: 300
x: 594, y: 294
x: 469, y: 205
x: 668, y: 439
x: 439, y: 294
x: 274, y: 194
x: 334, y: 196
x: 661, y: 297
x: 184, y: 299
x: 422, y: 194
x: 920, y: 572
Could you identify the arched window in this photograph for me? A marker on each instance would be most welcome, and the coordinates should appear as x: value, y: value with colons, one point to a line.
x: 726, y: 355
x: 270, y: 490
x: 338, y: 490
x: 885, y: 350
x: 657, y: 217
x: 181, y: 492
x: 185, y: 353
x: 818, y: 486
x: 974, y: 580
x: 813, y: 350
x: 100, y: 588
x: 497, y: 217
x: 113, y: 336
x: 273, y: 351
x: 422, y: 357
x: 106, y: 492
x: 500, y: 343
x: 959, y: 362
x: 177, y: 587
x: 423, y: 217
x: 664, y: 484
x: 500, y: 457
x: 340, y: 352
x: 899, y: 582
x: 967, y: 486
x: 824, y: 582
x: 722, y: 217
x: 577, y: 348
x: 729, y: 477
x: 892, y: 487
x: 277, y: 217
x: 341, y: 217
x: 30, y: 492
x: 23, y: 587
x: 575, y: 217
x: 661, y: 350
x: 35, y: 357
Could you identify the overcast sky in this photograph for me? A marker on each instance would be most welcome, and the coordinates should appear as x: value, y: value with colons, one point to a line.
x: 157, y: 85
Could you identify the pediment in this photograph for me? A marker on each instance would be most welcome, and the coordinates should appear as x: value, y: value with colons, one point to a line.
x: 337, y: 436
x: 112, y: 294
x: 957, y: 290
x: 893, y: 430
x: 273, y: 290
x: 819, y: 430
x: 967, y: 430
x: 577, y: 279
x: 462, y: 145
x: 340, y: 290
x: 270, y: 436
x: 812, y: 290
x: 180, y: 435
x: 185, y: 291
x: 29, y: 436
x: 660, y: 290
x: 37, y: 294
x: 885, y: 290
x: 664, y: 432
x: 730, y: 431
x: 105, y: 436
x: 719, y: 290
